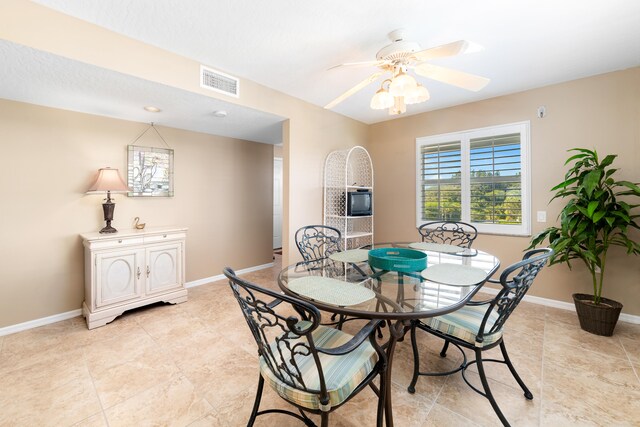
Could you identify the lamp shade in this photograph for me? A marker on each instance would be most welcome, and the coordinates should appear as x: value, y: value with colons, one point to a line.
x: 420, y: 94
x: 381, y: 100
x: 108, y: 180
x: 402, y: 85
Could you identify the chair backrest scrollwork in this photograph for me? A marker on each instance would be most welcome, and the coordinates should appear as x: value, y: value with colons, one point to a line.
x: 448, y: 232
x: 516, y: 280
x: 317, y: 242
x: 282, y: 329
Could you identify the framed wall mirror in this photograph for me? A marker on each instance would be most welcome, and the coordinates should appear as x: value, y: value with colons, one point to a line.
x: 150, y: 171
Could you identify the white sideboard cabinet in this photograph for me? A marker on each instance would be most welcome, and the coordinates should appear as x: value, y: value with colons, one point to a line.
x: 132, y: 268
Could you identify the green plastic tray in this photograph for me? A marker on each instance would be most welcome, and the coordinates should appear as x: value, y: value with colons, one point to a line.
x: 398, y: 259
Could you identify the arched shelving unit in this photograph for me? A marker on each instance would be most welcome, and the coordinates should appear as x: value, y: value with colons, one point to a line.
x: 348, y: 171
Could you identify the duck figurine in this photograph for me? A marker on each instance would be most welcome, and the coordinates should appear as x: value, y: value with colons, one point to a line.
x: 138, y: 225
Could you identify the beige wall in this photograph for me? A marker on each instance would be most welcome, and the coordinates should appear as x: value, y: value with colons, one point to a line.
x: 601, y: 112
x: 223, y: 194
x: 310, y: 132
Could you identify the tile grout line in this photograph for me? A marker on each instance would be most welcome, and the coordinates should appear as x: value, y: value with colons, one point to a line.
x: 95, y: 389
x: 633, y: 368
x: 544, y: 339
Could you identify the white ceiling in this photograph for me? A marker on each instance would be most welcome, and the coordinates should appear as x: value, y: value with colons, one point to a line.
x: 289, y: 45
x: 36, y: 77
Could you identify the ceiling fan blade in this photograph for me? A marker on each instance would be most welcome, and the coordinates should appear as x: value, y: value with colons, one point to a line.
x: 449, y: 49
x: 360, y: 64
x: 372, y: 78
x: 452, y: 77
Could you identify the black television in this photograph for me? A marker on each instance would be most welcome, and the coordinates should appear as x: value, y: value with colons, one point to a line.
x: 359, y: 203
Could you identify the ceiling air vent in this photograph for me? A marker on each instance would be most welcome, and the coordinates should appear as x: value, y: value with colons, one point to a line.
x: 220, y: 82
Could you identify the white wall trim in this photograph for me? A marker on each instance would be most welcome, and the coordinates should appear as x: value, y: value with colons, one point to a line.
x: 629, y: 318
x: 12, y: 329
x: 206, y: 280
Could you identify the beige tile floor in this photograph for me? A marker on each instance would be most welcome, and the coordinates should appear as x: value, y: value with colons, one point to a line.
x: 195, y: 364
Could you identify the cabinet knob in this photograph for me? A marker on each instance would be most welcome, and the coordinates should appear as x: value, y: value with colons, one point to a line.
x: 164, y: 235
x: 148, y: 271
x: 138, y: 272
x: 120, y: 241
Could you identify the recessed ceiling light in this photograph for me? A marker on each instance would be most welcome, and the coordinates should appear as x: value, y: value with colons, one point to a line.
x: 152, y: 109
x: 220, y: 113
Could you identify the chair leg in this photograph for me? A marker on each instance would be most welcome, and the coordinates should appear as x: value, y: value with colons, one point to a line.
x: 256, y: 403
x: 416, y: 359
x: 527, y: 392
x: 381, y: 401
x: 487, y: 390
x: 340, y: 321
x: 324, y: 419
x: 443, y: 352
x: 379, y: 328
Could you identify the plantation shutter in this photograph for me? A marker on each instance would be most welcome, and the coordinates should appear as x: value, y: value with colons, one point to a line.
x: 496, y: 179
x: 441, y: 175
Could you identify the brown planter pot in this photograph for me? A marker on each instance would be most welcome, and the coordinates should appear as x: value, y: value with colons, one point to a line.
x: 598, y: 319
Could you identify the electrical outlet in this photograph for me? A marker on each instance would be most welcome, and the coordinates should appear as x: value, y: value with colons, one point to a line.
x: 542, y: 216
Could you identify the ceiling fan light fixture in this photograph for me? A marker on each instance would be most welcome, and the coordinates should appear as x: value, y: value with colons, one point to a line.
x: 402, y: 85
x: 420, y: 94
x: 398, y: 106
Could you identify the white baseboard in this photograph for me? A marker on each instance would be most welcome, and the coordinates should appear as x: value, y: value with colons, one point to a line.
x: 12, y: 329
x: 629, y: 318
x: 206, y: 280
x: 39, y: 322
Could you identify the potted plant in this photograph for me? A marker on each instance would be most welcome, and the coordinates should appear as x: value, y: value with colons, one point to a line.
x: 599, y: 213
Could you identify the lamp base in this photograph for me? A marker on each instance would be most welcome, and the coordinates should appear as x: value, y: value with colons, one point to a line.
x: 108, y: 229
x: 108, y: 209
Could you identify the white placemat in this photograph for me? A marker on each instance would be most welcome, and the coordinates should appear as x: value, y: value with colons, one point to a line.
x: 331, y: 291
x: 351, y: 255
x: 454, y: 274
x: 436, y: 247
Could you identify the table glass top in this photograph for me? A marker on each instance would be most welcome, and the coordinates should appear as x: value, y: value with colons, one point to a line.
x: 389, y: 294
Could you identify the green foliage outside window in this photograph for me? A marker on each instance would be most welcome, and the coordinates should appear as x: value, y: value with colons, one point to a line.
x: 496, y: 202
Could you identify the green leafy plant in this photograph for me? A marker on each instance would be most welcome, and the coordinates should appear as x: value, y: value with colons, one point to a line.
x: 598, y: 214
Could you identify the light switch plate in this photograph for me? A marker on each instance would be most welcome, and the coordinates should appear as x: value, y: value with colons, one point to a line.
x: 542, y: 216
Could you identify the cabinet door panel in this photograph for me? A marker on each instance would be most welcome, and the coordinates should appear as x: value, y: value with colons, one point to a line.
x: 163, y: 267
x: 117, y: 276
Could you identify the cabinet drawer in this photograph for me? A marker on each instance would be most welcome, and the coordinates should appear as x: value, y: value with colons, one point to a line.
x: 116, y: 243
x: 164, y: 237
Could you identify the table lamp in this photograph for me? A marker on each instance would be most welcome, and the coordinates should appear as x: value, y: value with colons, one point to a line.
x: 108, y: 181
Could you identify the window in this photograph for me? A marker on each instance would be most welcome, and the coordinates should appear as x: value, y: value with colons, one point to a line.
x: 479, y: 176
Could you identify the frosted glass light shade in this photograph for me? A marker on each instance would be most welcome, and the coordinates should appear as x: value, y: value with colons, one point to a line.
x: 381, y: 100
x: 402, y: 85
x: 108, y: 180
x: 420, y: 94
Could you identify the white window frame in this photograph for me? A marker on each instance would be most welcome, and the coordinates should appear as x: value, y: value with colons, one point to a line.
x: 523, y: 128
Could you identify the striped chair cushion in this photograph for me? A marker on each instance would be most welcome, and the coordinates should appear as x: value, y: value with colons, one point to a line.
x: 342, y: 373
x: 465, y: 323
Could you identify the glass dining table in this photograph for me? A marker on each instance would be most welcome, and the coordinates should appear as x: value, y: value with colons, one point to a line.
x: 396, y: 282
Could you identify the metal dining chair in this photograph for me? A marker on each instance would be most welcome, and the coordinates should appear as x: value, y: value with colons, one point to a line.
x: 313, y: 367
x: 317, y: 242
x: 479, y: 326
x: 448, y: 232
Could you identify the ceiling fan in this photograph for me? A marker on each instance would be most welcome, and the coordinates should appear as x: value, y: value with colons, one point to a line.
x: 401, y: 56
